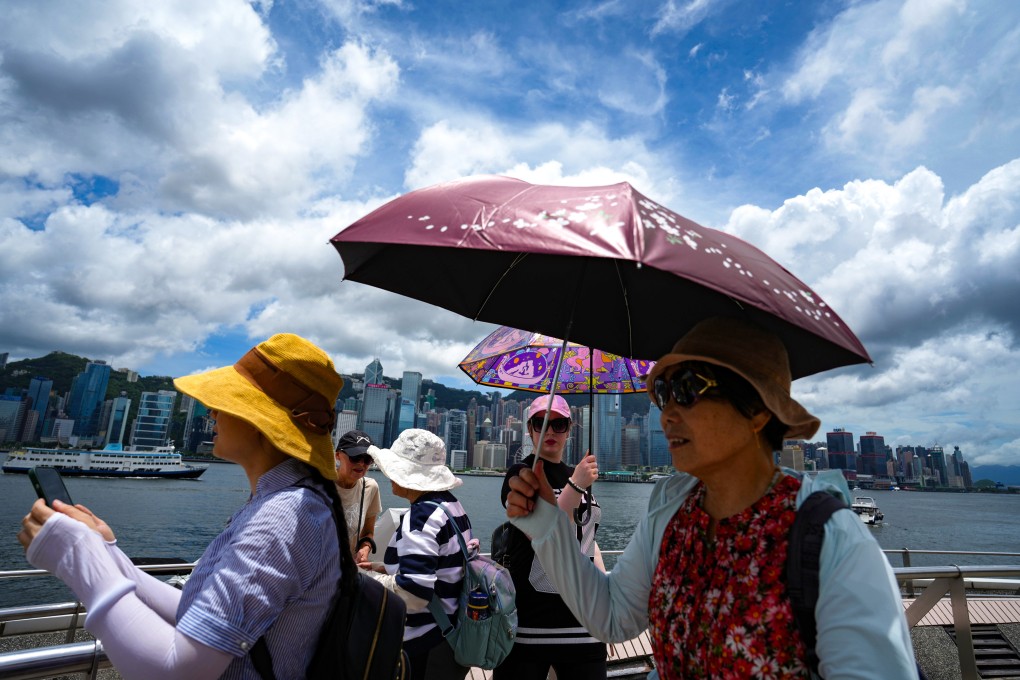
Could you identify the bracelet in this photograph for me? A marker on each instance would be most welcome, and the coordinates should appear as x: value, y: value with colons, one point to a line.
x: 575, y: 487
x: 367, y: 539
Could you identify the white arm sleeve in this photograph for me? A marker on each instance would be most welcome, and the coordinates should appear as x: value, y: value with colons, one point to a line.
x: 158, y: 595
x: 139, y: 642
x: 614, y: 606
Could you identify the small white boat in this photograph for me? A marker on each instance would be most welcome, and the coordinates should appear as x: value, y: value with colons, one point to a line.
x: 867, y: 509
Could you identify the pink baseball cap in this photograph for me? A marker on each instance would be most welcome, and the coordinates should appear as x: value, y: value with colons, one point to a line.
x: 541, y: 404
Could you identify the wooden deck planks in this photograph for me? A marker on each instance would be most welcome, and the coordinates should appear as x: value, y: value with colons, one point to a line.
x: 638, y: 648
x: 981, y: 610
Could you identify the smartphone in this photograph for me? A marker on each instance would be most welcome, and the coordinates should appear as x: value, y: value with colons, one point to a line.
x: 49, y: 485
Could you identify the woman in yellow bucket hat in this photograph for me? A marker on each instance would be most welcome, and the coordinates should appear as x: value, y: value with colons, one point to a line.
x: 268, y: 578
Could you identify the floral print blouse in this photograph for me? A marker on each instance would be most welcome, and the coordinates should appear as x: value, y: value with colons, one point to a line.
x: 718, y: 609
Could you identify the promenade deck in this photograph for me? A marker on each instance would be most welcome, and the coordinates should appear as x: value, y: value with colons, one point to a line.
x: 626, y: 659
x: 982, y: 611
x: 633, y: 657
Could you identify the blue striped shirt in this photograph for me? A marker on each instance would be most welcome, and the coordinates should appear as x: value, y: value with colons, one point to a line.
x: 273, y: 572
x: 425, y: 555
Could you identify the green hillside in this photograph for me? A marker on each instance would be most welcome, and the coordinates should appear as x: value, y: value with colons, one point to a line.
x: 62, y: 368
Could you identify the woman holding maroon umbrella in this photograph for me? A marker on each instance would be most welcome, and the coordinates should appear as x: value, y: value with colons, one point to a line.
x: 704, y: 569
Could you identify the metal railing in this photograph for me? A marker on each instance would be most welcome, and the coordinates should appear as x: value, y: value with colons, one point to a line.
x: 909, y: 584
x: 89, y: 657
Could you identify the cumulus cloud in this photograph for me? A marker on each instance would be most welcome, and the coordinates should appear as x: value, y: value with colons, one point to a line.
x: 895, y: 79
x: 929, y: 285
x: 169, y: 178
x: 900, y: 251
x: 157, y: 103
x: 587, y: 154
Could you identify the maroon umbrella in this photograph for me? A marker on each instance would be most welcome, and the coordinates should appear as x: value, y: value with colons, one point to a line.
x: 602, y: 266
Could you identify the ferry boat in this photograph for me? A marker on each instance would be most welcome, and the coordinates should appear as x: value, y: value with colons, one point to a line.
x: 112, y: 461
x: 867, y: 509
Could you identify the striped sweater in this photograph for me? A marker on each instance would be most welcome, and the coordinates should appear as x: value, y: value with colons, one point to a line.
x: 425, y: 556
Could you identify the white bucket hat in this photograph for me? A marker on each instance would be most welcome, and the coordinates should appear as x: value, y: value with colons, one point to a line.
x: 416, y: 461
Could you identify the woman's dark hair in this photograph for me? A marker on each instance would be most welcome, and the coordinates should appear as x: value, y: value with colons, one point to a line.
x: 742, y: 395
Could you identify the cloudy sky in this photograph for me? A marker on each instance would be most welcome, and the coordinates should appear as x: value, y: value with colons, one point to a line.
x: 171, y: 172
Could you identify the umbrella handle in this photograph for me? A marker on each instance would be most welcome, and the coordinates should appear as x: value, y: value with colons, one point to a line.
x: 582, y: 513
x: 559, y: 363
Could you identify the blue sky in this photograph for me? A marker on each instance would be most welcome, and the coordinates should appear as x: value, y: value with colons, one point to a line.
x: 170, y: 174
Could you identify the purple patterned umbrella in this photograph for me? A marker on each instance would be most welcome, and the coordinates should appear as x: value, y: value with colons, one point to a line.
x: 603, y: 266
x: 522, y: 360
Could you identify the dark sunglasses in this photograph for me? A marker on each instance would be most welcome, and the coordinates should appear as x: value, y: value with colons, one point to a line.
x: 360, y: 458
x: 557, y: 425
x: 686, y: 387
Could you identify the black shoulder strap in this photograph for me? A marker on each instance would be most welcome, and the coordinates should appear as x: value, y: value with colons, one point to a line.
x: 260, y: 656
x: 803, y: 563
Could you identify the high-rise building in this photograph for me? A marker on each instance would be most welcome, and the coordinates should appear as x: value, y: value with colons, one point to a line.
x: 821, y: 456
x: 373, y: 373
x: 938, y: 465
x: 198, y: 426
x: 792, y: 456
x: 457, y: 459
x: 410, y: 387
x: 62, y: 429
x: 905, y: 462
x: 608, y: 432
x: 12, y: 413
x: 583, y: 437
x: 118, y: 419
x: 38, y: 401
x: 873, y: 454
x: 3, y: 360
x: 630, y: 446
x: 345, y: 422
x: 152, y: 422
x: 29, y: 424
x: 841, y: 449
x: 373, y: 418
x: 373, y: 413
x: 471, y: 432
x: 956, y: 468
x: 88, y: 392
x: 490, y: 455
x: 455, y: 434
x: 658, y: 449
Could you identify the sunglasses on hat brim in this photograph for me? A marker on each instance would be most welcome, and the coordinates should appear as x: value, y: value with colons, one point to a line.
x: 557, y: 425
x: 685, y: 387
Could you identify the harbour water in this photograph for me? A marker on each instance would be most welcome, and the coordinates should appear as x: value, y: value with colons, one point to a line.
x: 178, y: 518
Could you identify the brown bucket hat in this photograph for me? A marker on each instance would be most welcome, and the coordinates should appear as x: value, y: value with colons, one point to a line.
x: 750, y: 351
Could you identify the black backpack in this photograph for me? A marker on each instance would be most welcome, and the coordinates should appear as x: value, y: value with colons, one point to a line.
x: 803, y: 565
x: 363, y: 635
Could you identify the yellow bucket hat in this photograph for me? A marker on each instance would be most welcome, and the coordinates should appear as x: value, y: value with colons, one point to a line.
x: 285, y: 387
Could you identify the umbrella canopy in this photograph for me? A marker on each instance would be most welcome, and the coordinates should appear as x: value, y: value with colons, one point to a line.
x: 602, y: 266
x: 522, y: 360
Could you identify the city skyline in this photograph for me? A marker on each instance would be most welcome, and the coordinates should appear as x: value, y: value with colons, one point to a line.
x: 608, y: 436
x: 489, y: 432
x: 172, y: 178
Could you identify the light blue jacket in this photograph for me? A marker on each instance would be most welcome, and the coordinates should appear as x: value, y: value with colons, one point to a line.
x: 862, y: 632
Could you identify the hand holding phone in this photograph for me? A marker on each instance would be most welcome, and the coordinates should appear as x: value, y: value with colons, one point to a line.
x: 49, y: 485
